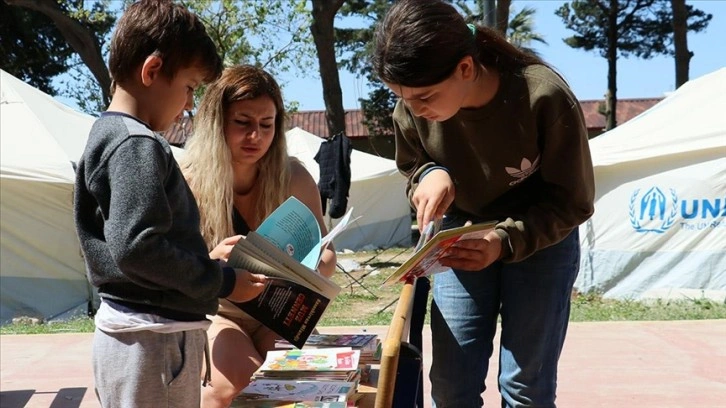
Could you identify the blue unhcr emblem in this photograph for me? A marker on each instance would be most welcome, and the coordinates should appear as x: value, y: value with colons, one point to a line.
x: 653, y: 214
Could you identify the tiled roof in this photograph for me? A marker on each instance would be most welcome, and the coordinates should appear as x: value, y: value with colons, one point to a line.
x: 626, y: 109
x: 314, y: 121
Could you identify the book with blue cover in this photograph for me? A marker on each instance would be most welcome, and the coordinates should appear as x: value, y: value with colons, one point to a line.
x: 287, y: 247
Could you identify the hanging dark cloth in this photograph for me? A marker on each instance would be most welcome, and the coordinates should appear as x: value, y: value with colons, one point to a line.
x: 334, y: 161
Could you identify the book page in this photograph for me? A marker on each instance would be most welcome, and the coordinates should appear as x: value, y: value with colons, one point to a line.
x: 292, y: 268
x: 425, y: 261
x: 293, y: 228
x: 339, y: 227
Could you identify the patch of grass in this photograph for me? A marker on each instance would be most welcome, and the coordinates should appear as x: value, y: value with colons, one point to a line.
x: 80, y: 324
x: 364, y: 302
x: 592, y: 307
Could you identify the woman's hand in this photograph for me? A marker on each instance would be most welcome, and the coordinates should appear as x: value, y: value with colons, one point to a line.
x: 474, y: 254
x: 432, y: 197
x: 224, y: 248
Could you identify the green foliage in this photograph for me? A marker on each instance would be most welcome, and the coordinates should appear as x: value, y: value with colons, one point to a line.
x: 662, y: 25
x: 377, y: 109
x: 32, y: 47
x: 593, y: 307
x: 642, y: 28
x: 521, y: 30
x: 270, y: 34
x: 355, y: 46
x: 76, y: 325
x: 35, y: 51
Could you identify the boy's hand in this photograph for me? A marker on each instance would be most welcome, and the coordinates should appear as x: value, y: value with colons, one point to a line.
x: 224, y: 248
x: 432, y: 197
x: 248, y: 286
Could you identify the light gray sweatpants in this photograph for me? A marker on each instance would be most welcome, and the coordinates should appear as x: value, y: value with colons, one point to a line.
x: 148, y: 369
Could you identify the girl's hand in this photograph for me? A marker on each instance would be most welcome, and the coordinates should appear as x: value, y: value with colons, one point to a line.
x: 224, y: 248
x: 474, y: 254
x: 432, y: 197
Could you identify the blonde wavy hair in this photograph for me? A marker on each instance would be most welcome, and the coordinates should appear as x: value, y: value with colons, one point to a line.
x: 207, y: 163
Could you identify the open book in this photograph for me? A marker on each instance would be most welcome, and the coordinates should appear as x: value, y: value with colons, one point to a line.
x: 287, y: 247
x: 432, y: 247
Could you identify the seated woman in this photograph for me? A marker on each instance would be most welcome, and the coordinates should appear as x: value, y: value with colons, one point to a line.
x: 237, y: 166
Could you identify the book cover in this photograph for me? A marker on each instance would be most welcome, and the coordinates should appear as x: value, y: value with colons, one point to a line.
x: 425, y: 261
x: 365, y: 342
x: 287, y: 247
x: 293, y: 390
x: 342, y: 359
x: 289, y: 309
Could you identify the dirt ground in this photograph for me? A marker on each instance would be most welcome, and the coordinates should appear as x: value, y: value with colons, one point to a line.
x: 362, y: 299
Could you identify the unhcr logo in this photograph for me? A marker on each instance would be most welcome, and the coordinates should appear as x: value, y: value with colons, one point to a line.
x: 653, y: 211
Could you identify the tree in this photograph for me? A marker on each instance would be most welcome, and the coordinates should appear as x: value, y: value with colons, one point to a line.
x: 83, y: 29
x: 502, y: 12
x: 251, y: 32
x: 31, y: 48
x: 680, y: 41
x: 521, y: 30
x: 356, y: 44
x: 621, y: 28
x: 672, y: 22
x: 232, y: 24
x: 323, y: 33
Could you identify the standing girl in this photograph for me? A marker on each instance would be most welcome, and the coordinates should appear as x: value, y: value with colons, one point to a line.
x: 484, y: 132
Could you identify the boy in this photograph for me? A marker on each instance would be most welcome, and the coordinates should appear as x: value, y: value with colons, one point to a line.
x: 138, y: 222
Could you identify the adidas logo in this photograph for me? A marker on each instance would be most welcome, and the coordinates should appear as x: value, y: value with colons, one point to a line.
x: 526, y: 168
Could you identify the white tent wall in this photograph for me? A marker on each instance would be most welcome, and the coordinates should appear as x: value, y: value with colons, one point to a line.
x: 40, y: 259
x: 377, y: 193
x: 41, y: 269
x: 385, y: 221
x: 659, y: 228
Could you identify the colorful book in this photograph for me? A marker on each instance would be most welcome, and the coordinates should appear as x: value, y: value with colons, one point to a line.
x: 293, y: 390
x: 287, y: 248
x: 338, y: 359
x: 426, y: 259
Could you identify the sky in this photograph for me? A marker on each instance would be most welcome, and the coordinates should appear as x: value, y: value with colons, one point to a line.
x: 585, y: 71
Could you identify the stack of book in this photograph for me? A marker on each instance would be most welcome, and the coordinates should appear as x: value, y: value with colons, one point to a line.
x: 326, y: 377
x: 368, y: 344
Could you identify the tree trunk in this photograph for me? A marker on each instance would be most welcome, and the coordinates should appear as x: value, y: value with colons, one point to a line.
x: 324, y: 38
x: 611, y: 97
x: 489, y: 13
x: 680, y: 41
x: 503, y: 16
x: 82, y: 40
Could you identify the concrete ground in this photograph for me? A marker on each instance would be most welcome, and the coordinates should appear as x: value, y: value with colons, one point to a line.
x: 605, y: 364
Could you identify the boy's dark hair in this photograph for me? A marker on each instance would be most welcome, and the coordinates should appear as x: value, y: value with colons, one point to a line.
x: 420, y: 43
x: 164, y: 29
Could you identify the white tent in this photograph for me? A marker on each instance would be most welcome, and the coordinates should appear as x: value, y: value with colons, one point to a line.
x: 659, y: 228
x: 377, y: 193
x: 41, y: 269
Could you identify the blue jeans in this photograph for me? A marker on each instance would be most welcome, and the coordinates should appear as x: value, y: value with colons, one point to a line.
x: 533, y: 299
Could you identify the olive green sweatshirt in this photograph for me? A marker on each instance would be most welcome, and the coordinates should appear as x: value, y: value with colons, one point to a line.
x: 522, y: 159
